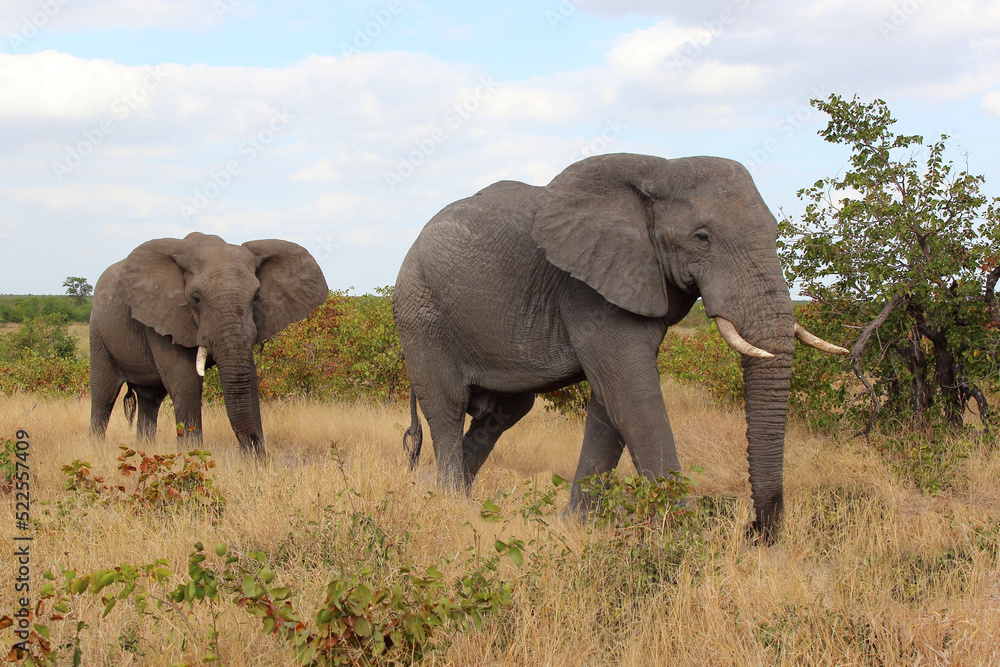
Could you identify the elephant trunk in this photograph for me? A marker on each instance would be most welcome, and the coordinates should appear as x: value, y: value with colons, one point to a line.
x: 238, y: 376
x: 766, y: 384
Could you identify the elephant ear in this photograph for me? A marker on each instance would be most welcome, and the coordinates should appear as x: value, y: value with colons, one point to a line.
x: 152, y: 284
x: 291, y: 285
x: 595, y: 221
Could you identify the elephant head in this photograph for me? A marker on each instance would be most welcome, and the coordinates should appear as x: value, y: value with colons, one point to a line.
x: 651, y: 235
x: 204, y: 293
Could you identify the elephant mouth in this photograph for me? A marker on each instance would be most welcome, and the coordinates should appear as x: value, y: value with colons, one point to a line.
x: 732, y: 337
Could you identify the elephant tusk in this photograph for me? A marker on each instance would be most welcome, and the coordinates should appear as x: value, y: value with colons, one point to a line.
x: 736, y: 341
x: 199, y: 362
x: 816, y: 341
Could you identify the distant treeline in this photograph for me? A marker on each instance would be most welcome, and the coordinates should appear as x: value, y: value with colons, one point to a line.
x: 22, y: 308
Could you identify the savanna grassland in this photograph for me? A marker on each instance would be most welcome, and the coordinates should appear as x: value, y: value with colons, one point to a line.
x: 332, y: 550
x: 868, y: 571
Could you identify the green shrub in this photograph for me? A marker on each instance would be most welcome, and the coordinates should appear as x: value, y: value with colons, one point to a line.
x: 158, y: 485
x: 347, y: 349
x: 40, y: 356
x: 46, y: 337
x: 701, y: 357
x: 21, y: 308
x: 569, y: 401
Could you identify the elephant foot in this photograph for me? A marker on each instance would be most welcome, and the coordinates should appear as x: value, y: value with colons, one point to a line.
x: 254, y: 447
x: 760, y: 534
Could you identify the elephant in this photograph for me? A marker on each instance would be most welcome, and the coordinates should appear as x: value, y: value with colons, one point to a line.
x: 174, y: 307
x: 522, y: 289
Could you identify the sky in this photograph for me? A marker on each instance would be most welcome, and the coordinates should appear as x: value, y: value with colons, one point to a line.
x: 345, y: 126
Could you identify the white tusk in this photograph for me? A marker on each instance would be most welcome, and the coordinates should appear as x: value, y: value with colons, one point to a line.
x: 199, y: 362
x: 816, y: 341
x: 736, y: 341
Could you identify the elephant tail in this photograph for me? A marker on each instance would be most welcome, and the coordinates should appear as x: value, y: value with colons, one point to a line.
x: 414, y: 436
x: 129, y: 403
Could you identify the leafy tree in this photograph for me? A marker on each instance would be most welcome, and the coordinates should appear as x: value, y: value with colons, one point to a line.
x: 78, y: 288
x: 43, y: 337
x: 900, y: 252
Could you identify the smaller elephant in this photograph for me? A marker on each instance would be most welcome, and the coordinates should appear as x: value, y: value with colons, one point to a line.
x: 174, y: 307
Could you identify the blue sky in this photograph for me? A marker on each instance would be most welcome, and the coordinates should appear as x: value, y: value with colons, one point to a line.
x: 345, y: 126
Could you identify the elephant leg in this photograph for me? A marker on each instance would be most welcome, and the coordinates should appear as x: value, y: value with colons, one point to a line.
x: 444, y: 406
x: 148, y: 404
x: 602, y: 450
x: 187, y: 412
x: 176, y: 366
x: 628, y: 386
x: 105, y: 384
x: 500, y: 414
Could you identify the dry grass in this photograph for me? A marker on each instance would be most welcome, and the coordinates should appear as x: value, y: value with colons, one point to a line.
x: 867, y: 571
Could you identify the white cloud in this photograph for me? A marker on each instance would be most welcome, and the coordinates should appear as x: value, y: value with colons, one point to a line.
x: 321, y: 172
x: 519, y: 102
x: 60, y: 86
x: 101, y: 200
x: 22, y: 17
x: 137, y: 232
x: 354, y: 120
x: 643, y: 53
x: 364, y: 236
x: 991, y: 103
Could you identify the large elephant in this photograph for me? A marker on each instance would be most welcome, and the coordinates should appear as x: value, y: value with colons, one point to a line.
x: 521, y: 289
x: 175, y: 306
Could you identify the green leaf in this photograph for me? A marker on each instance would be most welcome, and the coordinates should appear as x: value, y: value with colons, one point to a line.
x: 515, y: 555
x: 80, y: 585
x: 363, y: 627
x: 281, y: 593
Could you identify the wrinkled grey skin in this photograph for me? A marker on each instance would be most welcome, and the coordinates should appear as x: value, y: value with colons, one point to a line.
x: 521, y: 289
x: 154, y: 308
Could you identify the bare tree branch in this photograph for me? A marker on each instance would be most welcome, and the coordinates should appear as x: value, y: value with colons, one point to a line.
x: 975, y: 392
x: 858, y: 351
x: 991, y: 303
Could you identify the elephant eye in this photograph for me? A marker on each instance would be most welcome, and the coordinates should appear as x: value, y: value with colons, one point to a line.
x: 195, y: 298
x: 702, y: 237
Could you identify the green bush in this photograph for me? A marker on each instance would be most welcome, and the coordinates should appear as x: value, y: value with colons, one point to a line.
x: 702, y: 357
x: 21, y: 308
x: 347, y: 349
x: 40, y: 356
